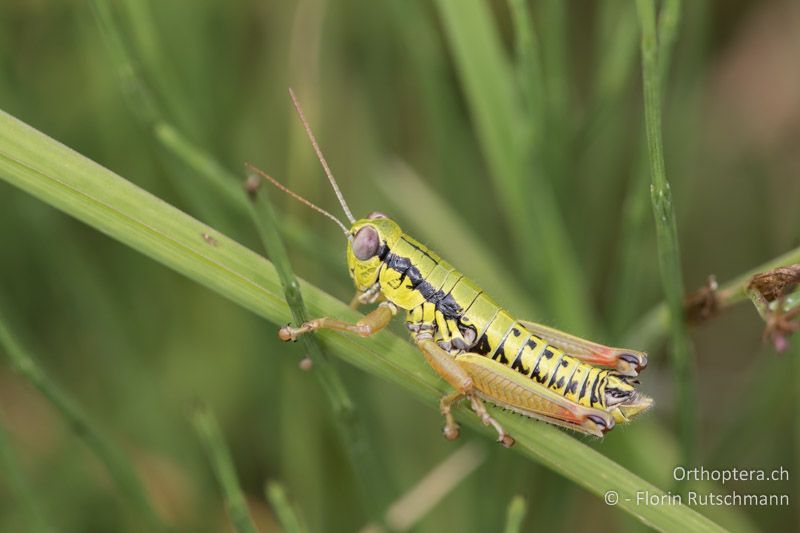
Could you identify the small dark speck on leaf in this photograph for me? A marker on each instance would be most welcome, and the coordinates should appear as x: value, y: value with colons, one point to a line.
x: 209, y: 239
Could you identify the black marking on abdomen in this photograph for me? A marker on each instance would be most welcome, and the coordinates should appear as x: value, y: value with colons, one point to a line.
x: 517, y: 364
x: 583, y: 387
x: 593, y: 399
x: 572, y: 385
x: 482, y: 347
x: 556, y: 367
x: 500, y: 353
x: 547, y: 354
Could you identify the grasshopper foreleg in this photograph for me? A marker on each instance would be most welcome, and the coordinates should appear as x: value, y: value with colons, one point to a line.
x: 372, y: 323
x: 371, y: 295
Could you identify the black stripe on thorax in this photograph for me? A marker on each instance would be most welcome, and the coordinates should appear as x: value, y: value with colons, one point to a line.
x: 445, y: 303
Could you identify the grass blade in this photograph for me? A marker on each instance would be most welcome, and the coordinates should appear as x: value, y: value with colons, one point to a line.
x: 284, y: 511
x: 352, y: 433
x: 529, y: 72
x: 666, y: 232
x: 495, y: 107
x: 634, y: 230
x: 18, y: 485
x: 115, y: 462
x: 210, y: 435
x: 78, y: 186
x: 429, y: 491
x: 558, y: 110
x: 515, y: 514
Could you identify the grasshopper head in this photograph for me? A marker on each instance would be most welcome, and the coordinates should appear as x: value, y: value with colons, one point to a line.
x: 370, y: 239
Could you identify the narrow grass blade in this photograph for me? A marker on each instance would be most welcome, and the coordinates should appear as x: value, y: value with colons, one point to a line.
x: 617, y: 46
x: 352, y: 433
x: 146, y: 108
x: 668, y: 18
x: 536, y: 226
x: 220, y: 182
x: 284, y: 511
x: 418, y: 501
x: 17, y: 484
x: 515, y: 514
x: 227, y: 185
x: 151, y: 51
x: 70, y: 182
x: 210, y: 435
x: 530, y: 77
x: 666, y: 232
x: 634, y: 230
x: 115, y: 462
x: 558, y: 111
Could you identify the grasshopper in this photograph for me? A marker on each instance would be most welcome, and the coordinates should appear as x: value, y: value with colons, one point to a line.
x: 476, y: 346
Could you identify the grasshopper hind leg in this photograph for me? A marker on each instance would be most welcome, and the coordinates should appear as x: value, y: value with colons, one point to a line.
x: 446, y: 366
x: 451, y: 429
x: 502, y: 437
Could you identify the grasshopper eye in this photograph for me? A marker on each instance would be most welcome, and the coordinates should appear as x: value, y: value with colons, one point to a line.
x: 365, y: 243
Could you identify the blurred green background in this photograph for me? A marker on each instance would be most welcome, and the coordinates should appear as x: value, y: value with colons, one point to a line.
x: 401, y: 115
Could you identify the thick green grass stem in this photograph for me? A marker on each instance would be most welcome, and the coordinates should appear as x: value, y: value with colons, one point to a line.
x: 288, y: 518
x: 218, y: 454
x: 114, y: 461
x: 76, y: 185
x: 667, y: 234
x: 351, y: 431
x: 18, y: 485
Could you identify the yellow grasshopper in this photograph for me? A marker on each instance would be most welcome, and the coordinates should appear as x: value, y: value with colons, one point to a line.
x: 475, y: 345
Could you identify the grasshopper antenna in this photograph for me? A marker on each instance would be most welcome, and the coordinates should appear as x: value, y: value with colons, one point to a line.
x: 321, y: 157
x: 252, y: 170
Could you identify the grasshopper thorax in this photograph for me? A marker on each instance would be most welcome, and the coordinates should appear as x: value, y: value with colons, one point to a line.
x: 370, y: 240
